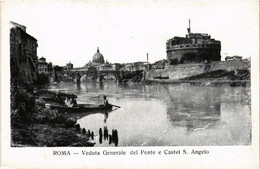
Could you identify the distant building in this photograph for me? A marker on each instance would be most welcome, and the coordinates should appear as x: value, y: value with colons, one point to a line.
x: 98, y: 58
x: 58, y: 69
x: 42, y: 66
x: 23, y: 55
x: 128, y: 67
x: 229, y: 58
x: 98, y: 62
x: 50, y: 67
x: 161, y: 64
x: 105, y: 67
x: 115, y: 66
x: 69, y: 66
x: 89, y: 64
x: 139, y: 66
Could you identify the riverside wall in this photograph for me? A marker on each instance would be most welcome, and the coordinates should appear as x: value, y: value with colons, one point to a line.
x: 180, y: 71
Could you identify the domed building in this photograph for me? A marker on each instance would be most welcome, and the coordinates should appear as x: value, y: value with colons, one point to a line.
x: 98, y: 63
x: 98, y: 58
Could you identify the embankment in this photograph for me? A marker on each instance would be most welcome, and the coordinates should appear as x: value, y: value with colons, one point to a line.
x: 176, y: 73
x: 234, y: 78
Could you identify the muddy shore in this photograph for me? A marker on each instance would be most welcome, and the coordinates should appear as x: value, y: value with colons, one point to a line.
x: 33, y: 125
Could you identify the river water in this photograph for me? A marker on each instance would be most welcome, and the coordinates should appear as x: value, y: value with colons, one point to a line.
x: 167, y: 115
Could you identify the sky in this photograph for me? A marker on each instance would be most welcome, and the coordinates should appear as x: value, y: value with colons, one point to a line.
x: 127, y: 31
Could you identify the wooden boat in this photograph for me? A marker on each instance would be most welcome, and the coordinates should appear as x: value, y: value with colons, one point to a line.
x: 56, y: 98
x: 52, y: 100
x: 80, y: 108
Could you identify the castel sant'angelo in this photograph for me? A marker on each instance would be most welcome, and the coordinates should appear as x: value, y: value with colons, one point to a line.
x: 195, y: 54
x: 195, y: 47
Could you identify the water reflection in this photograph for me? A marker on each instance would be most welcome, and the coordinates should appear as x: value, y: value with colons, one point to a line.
x: 79, y: 88
x: 84, y: 114
x: 101, y: 86
x: 165, y: 115
x: 106, y: 116
x: 194, y: 111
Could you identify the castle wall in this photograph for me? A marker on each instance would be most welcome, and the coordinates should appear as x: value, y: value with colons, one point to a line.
x: 176, y: 72
x: 230, y: 65
x: 195, y: 54
x: 180, y: 71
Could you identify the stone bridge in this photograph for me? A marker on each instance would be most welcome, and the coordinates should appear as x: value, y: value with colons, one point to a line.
x: 99, y: 75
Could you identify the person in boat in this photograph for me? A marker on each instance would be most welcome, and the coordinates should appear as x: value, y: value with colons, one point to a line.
x: 70, y: 102
x: 105, y: 101
x: 74, y: 103
x: 66, y: 101
x: 58, y: 97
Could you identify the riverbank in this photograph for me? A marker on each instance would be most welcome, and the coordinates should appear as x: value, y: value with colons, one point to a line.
x: 219, y: 77
x: 34, y: 125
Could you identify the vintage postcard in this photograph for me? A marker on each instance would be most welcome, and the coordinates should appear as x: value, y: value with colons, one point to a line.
x: 130, y: 84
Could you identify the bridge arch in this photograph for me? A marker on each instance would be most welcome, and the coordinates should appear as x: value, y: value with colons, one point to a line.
x: 104, y: 74
x: 109, y: 77
x: 93, y: 73
x: 83, y: 78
